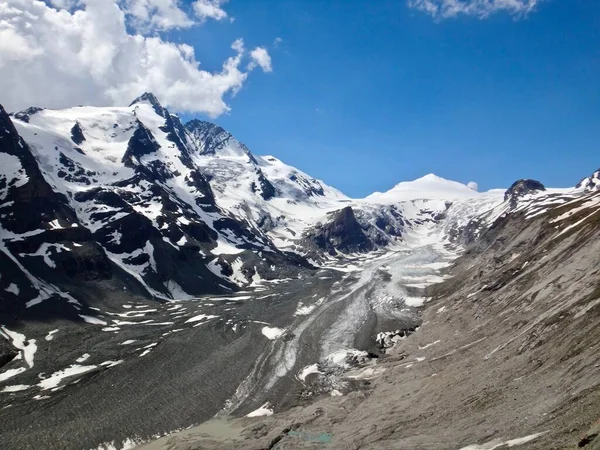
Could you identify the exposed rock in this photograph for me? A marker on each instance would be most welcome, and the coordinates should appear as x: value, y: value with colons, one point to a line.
x: 591, y: 183
x: 341, y: 233
x: 522, y: 187
x: 141, y: 143
x: 27, y: 113
x: 77, y: 135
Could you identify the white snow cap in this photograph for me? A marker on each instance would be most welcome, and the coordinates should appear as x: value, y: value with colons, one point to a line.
x: 429, y: 187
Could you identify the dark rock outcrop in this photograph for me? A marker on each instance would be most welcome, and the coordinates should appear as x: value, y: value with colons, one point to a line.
x: 77, y: 135
x: 141, y: 143
x: 522, y: 187
x: 27, y: 113
x: 342, y: 233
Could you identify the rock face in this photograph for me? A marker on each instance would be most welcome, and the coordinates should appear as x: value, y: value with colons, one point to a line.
x: 341, y: 233
x: 108, y: 214
x: 525, y: 359
x: 118, y: 200
x: 522, y: 187
x: 591, y: 183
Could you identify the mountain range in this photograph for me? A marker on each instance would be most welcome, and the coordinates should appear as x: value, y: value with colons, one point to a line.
x: 105, y: 211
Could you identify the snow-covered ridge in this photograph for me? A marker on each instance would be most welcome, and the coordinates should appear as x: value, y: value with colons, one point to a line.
x: 429, y: 187
x: 187, y: 208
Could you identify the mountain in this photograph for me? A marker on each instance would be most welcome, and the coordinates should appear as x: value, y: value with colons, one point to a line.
x: 123, y: 203
x: 135, y: 199
x: 506, y: 355
x: 163, y: 273
x: 430, y: 187
x: 591, y: 183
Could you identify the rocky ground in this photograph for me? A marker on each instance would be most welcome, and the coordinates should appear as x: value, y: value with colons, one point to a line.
x: 147, y: 368
x: 507, y: 355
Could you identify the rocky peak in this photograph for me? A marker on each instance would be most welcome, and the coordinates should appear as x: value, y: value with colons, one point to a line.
x: 211, y: 139
x: 522, y: 187
x: 342, y: 232
x: 591, y: 183
x: 141, y: 143
x: 150, y: 98
x: 24, y: 115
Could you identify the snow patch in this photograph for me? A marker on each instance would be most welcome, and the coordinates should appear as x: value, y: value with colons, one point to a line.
x: 272, y: 333
x: 13, y: 289
x: 200, y: 317
x: 92, y: 320
x: 16, y: 388
x: 51, y: 334
x: 55, y: 379
x: 264, y: 410
x: 491, y: 445
x: 313, y: 368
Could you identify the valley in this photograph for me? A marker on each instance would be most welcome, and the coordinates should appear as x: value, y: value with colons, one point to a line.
x: 158, y: 275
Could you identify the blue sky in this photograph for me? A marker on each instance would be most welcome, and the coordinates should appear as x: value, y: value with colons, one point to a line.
x: 360, y: 93
x: 365, y: 94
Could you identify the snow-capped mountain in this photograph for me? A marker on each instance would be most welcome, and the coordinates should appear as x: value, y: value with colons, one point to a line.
x: 278, y: 199
x: 120, y: 198
x: 108, y: 215
x: 591, y: 183
x: 131, y: 199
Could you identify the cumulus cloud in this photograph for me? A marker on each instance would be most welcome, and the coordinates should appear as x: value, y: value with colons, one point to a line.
x: 443, y: 9
x: 473, y: 185
x: 210, y: 9
x: 260, y: 57
x: 56, y: 58
x: 146, y: 15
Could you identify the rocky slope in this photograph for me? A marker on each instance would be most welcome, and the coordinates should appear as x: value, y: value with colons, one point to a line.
x: 507, y: 354
x: 155, y: 274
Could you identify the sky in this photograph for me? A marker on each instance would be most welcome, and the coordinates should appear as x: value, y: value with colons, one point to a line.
x: 362, y: 94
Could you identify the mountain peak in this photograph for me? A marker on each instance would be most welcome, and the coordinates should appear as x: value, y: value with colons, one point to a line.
x: 148, y: 97
x: 590, y: 183
x: 430, y: 177
x: 212, y: 139
x: 522, y: 187
x: 429, y: 187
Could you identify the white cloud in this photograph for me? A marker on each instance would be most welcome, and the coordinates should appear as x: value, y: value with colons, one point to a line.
x: 473, y: 185
x: 60, y: 58
x: 209, y: 9
x: 146, y: 15
x: 238, y: 46
x: 277, y: 41
x: 260, y: 57
x: 443, y: 9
